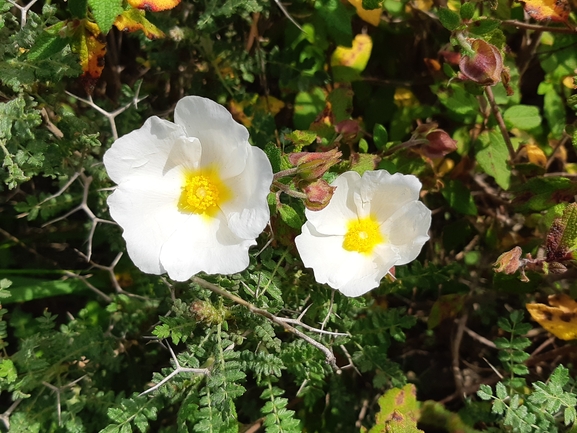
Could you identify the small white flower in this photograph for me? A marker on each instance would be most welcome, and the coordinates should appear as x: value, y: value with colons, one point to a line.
x: 191, y: 195
x: 371, y: 224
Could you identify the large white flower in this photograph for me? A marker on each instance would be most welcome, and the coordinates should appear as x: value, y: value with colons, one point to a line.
x: 371, y: 224
x: 191, y: 195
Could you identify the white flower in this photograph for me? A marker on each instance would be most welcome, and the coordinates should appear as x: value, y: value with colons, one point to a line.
x: 371, y: 224
x: 191, y: 195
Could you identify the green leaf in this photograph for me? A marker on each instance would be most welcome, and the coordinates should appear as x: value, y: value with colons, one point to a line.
x: 524, y: 117
x: 274, y: 155
x: 467, y: 11
x: 380, y: 136
x: 27, y: 289
x: 48, y: 43
x: 450, y: 20
x: 290, y: 216
x: 307, y: 106
x: 492, y: 156
x: 483, y: 26
x: 337, y: 19
x: 78, y: 8
x: 105, y: 12
x: 458, y: 100
x: 485, y: 392
x: 459, y: 197
x: 371, y: 4
x: 554, y: 109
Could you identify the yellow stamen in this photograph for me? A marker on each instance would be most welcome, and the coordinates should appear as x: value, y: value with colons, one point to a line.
x: 363, y: 235
x: 202, y: 192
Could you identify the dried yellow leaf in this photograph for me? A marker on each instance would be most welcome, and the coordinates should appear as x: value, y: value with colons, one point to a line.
x: 560, y: 319
x: 372, y: 17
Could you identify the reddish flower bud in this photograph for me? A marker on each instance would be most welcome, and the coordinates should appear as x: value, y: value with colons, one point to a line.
x: 485, y: 66
x: 440, y: 144
x: 319, y: 194
x: 348, y: 127
x: 509, y: 262
x: 312, y: 165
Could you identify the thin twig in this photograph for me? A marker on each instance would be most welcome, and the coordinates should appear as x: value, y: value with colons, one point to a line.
x: 537, y: 27
x: 479, y: 338
x: 5, y: 417
x: 178, y: 370
x: 500, y: 122
x: 455, y: 349
x: 111, y: 115
x: 23, y: 11
x: 329, y: 356
x: 58, y: 390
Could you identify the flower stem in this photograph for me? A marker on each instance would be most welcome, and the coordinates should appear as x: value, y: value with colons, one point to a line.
x: 500, y: 122
x: 287, y: 190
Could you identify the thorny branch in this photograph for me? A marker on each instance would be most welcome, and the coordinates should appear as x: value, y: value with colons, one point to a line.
x: 111, y: 115
x: 83, y: 206
x: 179, y: 369
x: 58, y: 390
x: 329, y: 356
x: 23, y: 11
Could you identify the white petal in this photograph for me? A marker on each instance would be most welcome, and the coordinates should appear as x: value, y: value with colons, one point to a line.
x: 146, y: 210
x: 333, y: 219
x: 351, y: 273
x: 224, y: 141
x: 145, y: 152
x: 248, y: 212
x: 407, y: 230
x: 383, y: 194
x: 203, y: 245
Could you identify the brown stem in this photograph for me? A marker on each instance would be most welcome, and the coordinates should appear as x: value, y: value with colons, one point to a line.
x: 500, y: 122
x: 287, y: 190
x: 522, y: 25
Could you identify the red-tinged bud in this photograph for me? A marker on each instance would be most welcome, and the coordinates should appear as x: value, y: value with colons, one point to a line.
x: 440, y: 144
x: 451, y: 57
x: 319, y: 194
x: 509, y: 262
x: 312, y: 165
x: 484, y: 66
x: 348, y: 127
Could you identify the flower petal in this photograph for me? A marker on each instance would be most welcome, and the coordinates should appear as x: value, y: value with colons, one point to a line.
x: 351, y: 273
x: 145, y: 152
x: 407, y: 230
x: 224, y: 141
x: 333, y: 219
x: 383, y: 194
x: 203, y: 245
x: 248, y: 212
x: 146, y: 209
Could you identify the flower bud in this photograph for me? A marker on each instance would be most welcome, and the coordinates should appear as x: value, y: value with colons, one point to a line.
x: 319, y: 194
x: 312, y: 165
x: 485, y: 66
x: 440, y: 144
x: 509, y: 262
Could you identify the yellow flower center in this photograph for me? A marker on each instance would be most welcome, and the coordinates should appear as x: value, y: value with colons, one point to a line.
x: 363, y: 235
x: 202, y: 192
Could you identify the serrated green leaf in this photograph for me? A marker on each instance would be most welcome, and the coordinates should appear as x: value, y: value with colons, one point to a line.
x: 467, y: 11
x: 492, y: 156
x: 105, y: 12
x: 274, y: 155
x: 501, y: 391
x: 485, y: 392
x: 450, y: 20
x: 484, y: 26
x: 524, y: 117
